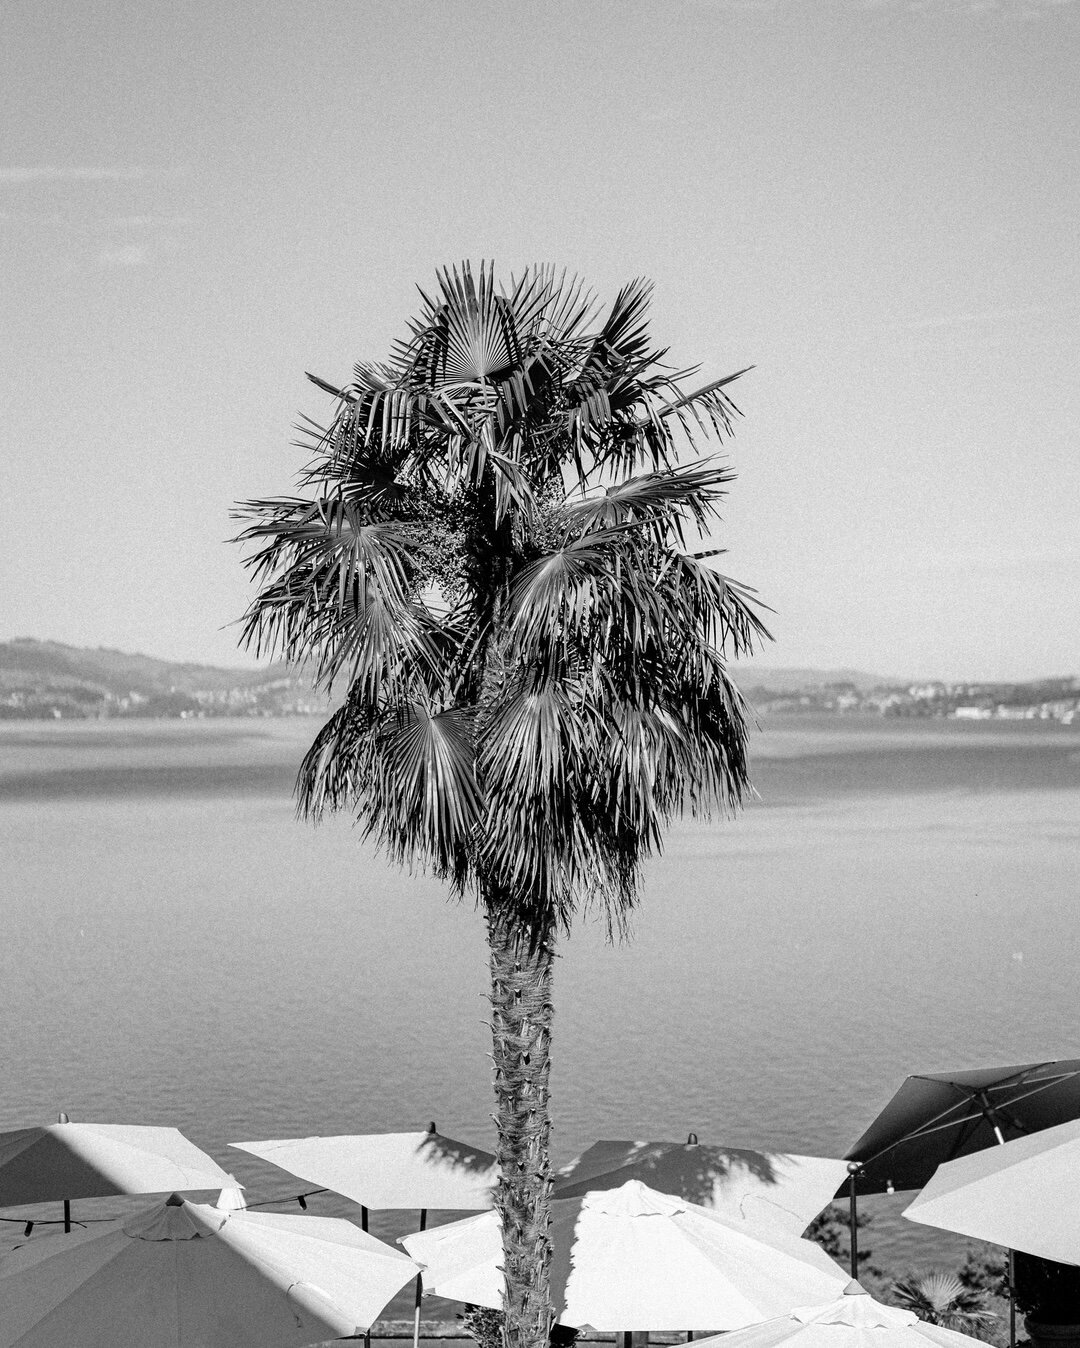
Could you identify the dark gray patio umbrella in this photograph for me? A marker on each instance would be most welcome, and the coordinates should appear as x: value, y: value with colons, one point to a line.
x: 937, y: 1116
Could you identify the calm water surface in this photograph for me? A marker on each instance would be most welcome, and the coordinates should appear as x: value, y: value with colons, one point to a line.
x: 179, y: 950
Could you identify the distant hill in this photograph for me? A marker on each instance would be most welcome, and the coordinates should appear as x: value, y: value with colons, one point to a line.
x: 116, y: 671
x: 48, y: 678
x: 754, y: 676
x: 843, y: 691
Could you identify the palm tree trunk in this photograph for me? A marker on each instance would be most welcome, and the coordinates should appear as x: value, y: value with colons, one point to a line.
x: 521, y: 1006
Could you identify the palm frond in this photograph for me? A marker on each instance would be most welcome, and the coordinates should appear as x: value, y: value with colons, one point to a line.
x: 473, y: 338
x: 709, y: 400
x: 410, y: 773
x: 326, y: 387
x: 339, y: 592
x: 580, y: 788
x: 940, y: 1298
x: 662, y: 497
x: 560, y: 591
x: 612, y: 599
x: 724, y: 611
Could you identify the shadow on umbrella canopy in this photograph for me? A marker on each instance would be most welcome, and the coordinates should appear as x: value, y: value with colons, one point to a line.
x: 99, y: 1160
x: 631, y: 1258
x: 756, y: 1185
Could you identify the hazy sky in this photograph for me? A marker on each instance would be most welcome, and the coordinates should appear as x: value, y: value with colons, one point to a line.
x: 874, y: 202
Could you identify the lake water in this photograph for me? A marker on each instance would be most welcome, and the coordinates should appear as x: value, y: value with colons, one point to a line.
x: 178, y: 949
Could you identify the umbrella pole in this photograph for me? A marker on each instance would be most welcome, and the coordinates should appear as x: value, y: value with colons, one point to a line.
x: 363, y: 1227
x: 419, y: 1289
x: 63, y: 1118
x: 853, y: 1221
x: 991, y: 1117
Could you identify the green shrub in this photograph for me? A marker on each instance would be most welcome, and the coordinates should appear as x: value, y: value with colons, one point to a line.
x: 1046, y: 1290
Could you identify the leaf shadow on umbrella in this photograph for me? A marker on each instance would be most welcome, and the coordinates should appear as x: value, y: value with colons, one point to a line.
x: 434, y: 1149
x: 695, y: 1173
x: 632, y: 1258
x: 562, y: 1265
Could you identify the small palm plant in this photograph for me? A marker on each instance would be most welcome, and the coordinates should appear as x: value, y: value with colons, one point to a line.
x: 942, y: 1299
x: 494, y: 554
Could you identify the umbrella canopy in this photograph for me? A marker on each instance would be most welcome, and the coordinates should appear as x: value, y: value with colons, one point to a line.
x: 938, y: 1116
x: 388, y: 1170
x: 99, y: 1160
x: 632, y: 1258
x: 853, y: 1320
x: 765, y: 1188
x: 187, y: 1275
x: 1020, y: 1195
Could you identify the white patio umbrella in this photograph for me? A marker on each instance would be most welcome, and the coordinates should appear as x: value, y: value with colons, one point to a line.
x: 63, y: 1161
x: 631, y: 1258
x: 763, y: 1187
x: 1020, y: 1194
x: 187, y: 1275
x: 852, y: 1320
x: 389, y: 1170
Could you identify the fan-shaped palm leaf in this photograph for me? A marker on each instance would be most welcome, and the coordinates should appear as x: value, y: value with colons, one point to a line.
x: 942, y: 1299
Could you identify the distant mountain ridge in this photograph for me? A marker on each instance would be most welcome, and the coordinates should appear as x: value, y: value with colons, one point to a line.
x: 120, y: 672
x: 49, y: 678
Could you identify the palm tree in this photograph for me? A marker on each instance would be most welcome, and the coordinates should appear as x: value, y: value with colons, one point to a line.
x: 942, y: 1299
x: 491, y: 555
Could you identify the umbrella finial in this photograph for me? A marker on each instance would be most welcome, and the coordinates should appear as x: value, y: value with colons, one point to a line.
x: 853, y: 1167
x: 691, y: 1139
x: 232, y: 1198
x: 174, y: 1201
x: 62, y: 1117
x: 855, y: 1289
x: 431, y: 1127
